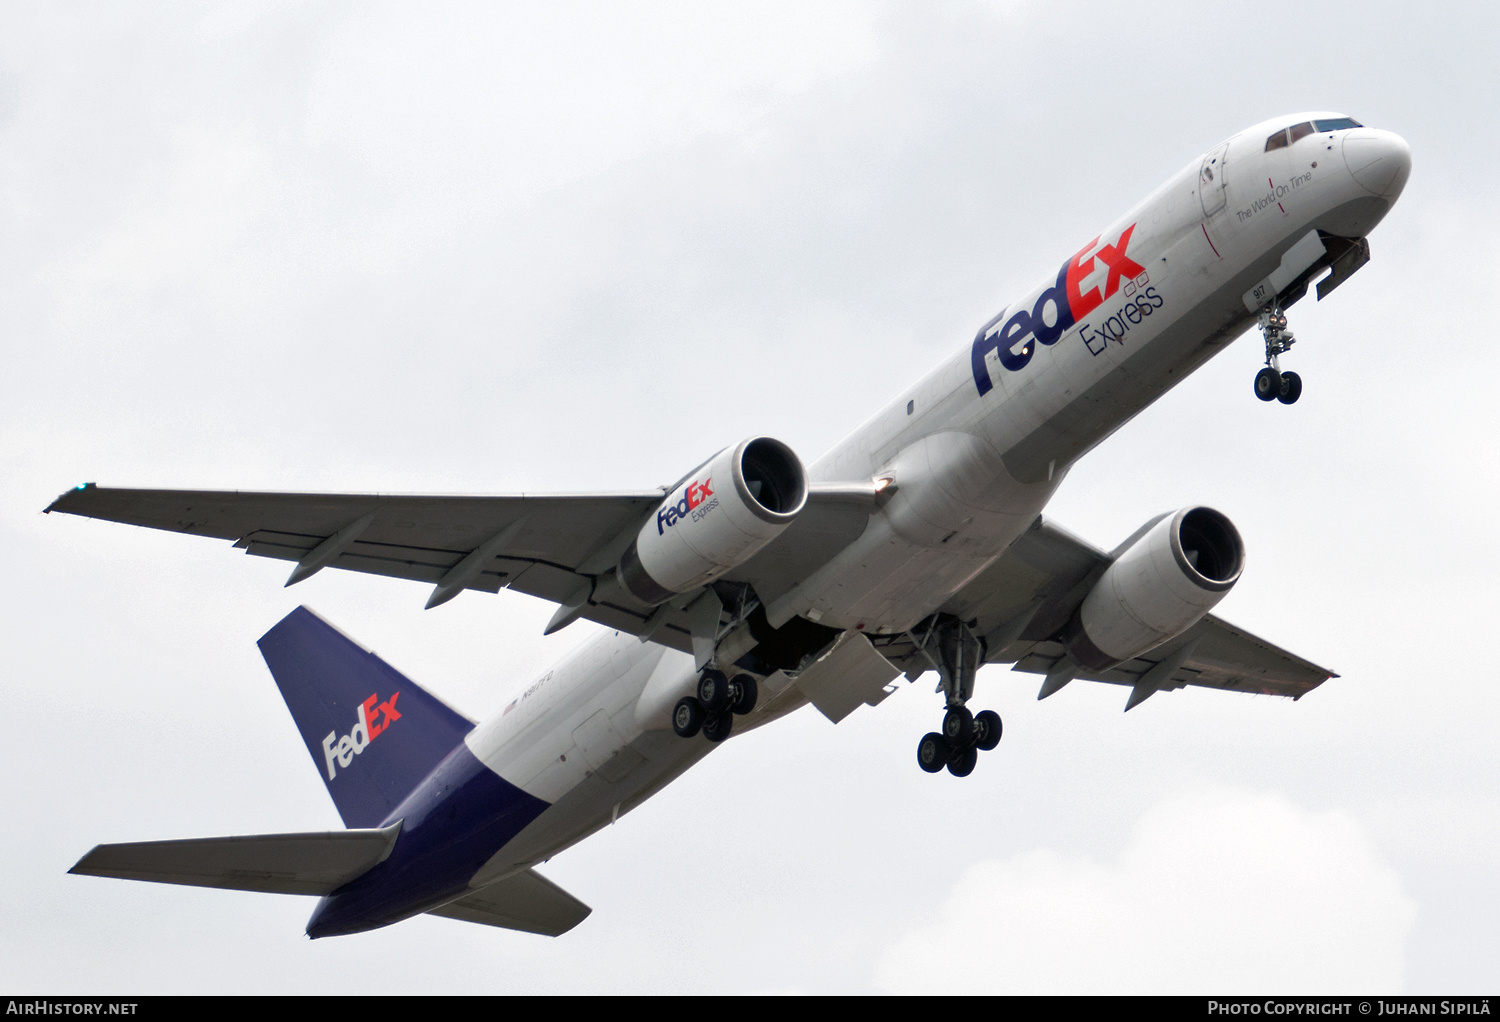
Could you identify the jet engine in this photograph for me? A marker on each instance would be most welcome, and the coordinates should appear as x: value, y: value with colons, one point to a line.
x: 720, y: 515
x: 1162, y: 584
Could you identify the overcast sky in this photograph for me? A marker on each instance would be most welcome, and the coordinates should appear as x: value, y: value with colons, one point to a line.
x: 487, y: 247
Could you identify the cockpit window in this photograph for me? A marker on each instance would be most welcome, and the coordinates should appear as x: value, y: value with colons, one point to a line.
x: 1289, y: 136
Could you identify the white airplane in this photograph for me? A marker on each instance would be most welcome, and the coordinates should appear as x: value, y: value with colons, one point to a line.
x: 754, y: 586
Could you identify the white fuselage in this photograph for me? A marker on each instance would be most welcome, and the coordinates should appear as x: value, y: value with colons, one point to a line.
x: 976, y: 449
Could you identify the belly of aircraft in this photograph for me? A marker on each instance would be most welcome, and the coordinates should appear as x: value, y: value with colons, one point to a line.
x: 886, y: 583
x: 655, y: 758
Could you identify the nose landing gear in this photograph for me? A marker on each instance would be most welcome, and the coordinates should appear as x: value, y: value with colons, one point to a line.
x: 1271, y: 383
x: 965, y: 734
x: 713, y: 709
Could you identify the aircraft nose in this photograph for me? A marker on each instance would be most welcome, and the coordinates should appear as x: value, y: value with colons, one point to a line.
x: 1379, y: 160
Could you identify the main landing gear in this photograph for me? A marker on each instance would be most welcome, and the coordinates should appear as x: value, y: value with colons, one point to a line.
x: 965, y: 734
x: 713, y: 709
x: 1271, y: 383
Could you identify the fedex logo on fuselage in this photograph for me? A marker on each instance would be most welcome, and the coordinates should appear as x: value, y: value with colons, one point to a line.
x: 1013, y: 337
x: 340, y: 752
x: 692, y: 503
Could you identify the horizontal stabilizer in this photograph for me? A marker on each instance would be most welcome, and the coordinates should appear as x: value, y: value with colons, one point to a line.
x: 316, y: 863
x: 527, y: 901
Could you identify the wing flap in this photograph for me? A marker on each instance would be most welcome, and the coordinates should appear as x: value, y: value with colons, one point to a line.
x: 316, y: 863
x: 527, y: 901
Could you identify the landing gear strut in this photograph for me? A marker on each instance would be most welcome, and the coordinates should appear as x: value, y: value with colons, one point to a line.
x: 713, y: 709
x: 965, y: 734
x: 1271, y: 383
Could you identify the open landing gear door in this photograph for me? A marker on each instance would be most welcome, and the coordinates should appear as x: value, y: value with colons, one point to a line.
x: 851, y: 675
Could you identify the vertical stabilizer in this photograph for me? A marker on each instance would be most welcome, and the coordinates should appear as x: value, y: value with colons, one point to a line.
x: 373, y: 734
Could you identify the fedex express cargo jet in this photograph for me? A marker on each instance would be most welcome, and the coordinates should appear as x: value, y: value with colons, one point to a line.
x: 755, y: 585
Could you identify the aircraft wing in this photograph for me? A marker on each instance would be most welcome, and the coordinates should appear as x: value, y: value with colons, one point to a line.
x: 1024, y: 599
x: 1217, y: 654
x: 552, y: 546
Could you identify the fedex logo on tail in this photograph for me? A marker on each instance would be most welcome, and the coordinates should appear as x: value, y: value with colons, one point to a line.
x: 693, y: 497
x: 1014, y: 338
x: 340, y: 752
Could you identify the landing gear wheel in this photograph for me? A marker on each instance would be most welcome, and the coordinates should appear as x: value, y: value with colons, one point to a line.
x: 1291, y: 388
x: 987, y: 729
x: 958, y: 727
x: 961, y: 763
x: 932, y: 752
x: 743, y: 693
x: 1267, y: 384
x: 713, y: 690
x: 687, y: 717
x: 716, y: 726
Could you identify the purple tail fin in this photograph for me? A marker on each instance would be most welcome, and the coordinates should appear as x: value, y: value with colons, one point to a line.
x: 373, y: 733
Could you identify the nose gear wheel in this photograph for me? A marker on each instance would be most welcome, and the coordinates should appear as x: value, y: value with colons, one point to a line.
x: 1271, y: 384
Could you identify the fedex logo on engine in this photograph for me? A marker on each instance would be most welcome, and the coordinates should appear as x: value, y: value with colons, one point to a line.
x: 695, y: 502
x: 341, y: 751
x: 1056, y: 309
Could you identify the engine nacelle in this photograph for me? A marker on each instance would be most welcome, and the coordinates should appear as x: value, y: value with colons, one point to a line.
x: 1159, y: 587
x: 726, y: 511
